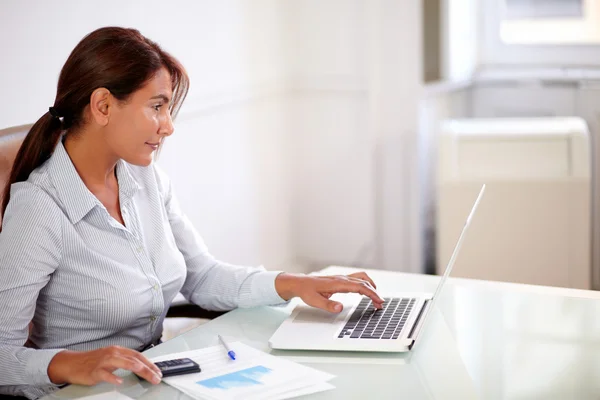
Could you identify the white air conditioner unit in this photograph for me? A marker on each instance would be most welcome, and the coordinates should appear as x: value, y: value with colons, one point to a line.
x: 534, y: 223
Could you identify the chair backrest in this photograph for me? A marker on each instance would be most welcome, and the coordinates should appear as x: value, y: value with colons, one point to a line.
x: 10, y: 141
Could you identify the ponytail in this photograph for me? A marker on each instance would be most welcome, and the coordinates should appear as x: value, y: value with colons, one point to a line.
x: 119, y: 59
x: 37, y: 147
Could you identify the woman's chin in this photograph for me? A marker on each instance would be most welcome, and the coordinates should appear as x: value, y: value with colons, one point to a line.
x: 140, y: 161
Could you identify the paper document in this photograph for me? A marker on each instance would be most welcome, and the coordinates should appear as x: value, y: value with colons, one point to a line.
x: 253, y: 375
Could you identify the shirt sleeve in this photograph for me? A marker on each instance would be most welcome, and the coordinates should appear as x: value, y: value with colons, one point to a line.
x: 29, y: 253
x: 212, y: 284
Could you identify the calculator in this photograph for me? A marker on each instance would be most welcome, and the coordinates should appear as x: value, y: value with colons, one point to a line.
x: 179, y: 366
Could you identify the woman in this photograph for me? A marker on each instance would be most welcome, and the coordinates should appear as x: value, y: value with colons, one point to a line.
x: 94, y: 246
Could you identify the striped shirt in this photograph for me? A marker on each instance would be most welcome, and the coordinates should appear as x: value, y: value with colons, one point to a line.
x: 86, y: 281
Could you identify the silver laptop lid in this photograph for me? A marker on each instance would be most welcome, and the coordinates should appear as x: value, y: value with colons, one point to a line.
x: 458, y: 244
x: 419, y: 327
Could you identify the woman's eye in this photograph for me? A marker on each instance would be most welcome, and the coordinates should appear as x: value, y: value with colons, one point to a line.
x: 157, y: 107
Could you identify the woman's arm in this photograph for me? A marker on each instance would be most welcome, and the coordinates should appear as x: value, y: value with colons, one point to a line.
x: 215, y: 285
x: 30, y: 247
x: 30, y: 251
x: 212, y: 284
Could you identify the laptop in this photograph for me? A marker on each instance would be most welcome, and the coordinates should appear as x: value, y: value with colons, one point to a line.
x: 359, y: 327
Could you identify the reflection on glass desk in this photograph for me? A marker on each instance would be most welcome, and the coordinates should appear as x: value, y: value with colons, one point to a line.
x: 485, y: 340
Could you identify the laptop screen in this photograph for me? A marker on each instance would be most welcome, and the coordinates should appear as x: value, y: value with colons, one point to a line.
x: 458, y: 245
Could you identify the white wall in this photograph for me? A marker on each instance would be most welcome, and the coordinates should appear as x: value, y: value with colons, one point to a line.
x: 331, y: 152
x: 224, y: 45
x: 355, y: 80
x: 225, y: 159
x: 395, y: 88
x: 298, y: 144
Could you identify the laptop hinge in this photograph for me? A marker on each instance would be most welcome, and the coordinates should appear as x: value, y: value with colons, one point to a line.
x: 416, y: 330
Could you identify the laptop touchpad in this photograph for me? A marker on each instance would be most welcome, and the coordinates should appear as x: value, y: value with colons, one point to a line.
x: 316, y: 315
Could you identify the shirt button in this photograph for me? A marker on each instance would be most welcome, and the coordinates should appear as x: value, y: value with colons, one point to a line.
x: 140, y: 249
x: 155, y: 287
x: 153, y: 318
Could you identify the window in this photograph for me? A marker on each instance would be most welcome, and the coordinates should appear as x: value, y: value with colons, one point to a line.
x: 530, y: 9
x: 550, y: 21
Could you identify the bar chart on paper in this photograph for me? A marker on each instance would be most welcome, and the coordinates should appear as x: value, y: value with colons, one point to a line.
x: 244, y: 378
x: 254, y: 375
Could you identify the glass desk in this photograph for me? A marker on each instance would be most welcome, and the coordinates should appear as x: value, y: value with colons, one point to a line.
x: 487, y: 340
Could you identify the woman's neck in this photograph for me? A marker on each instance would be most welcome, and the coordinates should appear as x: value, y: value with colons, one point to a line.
x: 92, y: 160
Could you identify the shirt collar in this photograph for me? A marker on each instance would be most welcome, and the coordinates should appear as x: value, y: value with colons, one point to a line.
x: 76, y: 197
x: 128, y: 186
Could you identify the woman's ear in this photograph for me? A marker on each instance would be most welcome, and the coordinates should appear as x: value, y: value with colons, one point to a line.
x: 100, y: 106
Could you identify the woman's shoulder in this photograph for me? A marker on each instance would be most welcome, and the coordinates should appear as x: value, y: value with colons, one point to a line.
x: 38, y: 189
x: 36, y: 197
x: 30, y: 199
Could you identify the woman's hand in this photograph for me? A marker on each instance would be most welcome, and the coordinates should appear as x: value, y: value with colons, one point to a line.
x: 316, y: 290
x: 92, y: 367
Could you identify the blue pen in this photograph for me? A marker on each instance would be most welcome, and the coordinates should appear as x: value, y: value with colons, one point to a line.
x: 230, y: 352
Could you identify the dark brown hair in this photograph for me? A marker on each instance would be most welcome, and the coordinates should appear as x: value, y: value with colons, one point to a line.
x: 119, y: 59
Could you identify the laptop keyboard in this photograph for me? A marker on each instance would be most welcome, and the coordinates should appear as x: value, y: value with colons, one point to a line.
x: 368, y: 323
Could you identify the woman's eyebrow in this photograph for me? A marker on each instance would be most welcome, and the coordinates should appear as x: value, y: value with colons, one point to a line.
x: 164, y: 97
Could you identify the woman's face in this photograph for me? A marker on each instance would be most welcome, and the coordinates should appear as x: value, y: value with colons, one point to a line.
x: 140, y: 124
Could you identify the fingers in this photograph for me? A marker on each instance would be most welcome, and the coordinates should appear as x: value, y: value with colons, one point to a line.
x: 317, y: 290
x: 324, y: 303
x: 133, y: 364
x: 360, y: 281
x: 105, y: 376
x: 363, y: 276
x: 146, y: 362
x: 145, y: 371
x: 362, y: 287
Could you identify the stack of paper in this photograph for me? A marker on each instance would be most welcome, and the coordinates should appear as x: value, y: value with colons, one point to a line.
x: 253, y: 375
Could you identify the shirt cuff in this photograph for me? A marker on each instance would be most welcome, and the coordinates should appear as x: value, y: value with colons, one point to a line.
x: 260, y: 290
x: 37, y: 366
